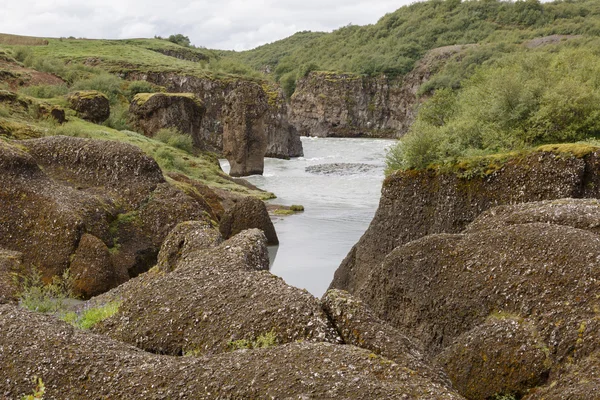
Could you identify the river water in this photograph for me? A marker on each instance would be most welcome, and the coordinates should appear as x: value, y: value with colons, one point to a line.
x: 339, y: 202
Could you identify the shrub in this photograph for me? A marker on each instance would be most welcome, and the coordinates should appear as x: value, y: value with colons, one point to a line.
x: 288, y: 84
x: 136, y: 87
x: 106, y: 83
x: 118, y: 118
x: 174, y: 138
x: 37, y: 296
x: 180, y: 40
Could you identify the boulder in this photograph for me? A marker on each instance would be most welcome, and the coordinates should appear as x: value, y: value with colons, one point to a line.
x: 248, y: 213
x: 244, y: 134
x: 502, y: 357
x: 150, y: 112
x: 92, y: 268
x: 90, y: 105
x: 218, y: 296
x: 504, y: 305
x: 76, y: 364
x: 10, y: 264
x: 358, y: 326
x: 55, y: 112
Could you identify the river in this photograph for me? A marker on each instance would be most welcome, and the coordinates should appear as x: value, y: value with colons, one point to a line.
x: 339, y: 203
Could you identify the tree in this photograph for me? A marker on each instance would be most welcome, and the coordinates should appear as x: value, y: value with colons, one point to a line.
x: 180, y: 40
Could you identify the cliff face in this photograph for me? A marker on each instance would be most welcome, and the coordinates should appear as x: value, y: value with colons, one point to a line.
x: 344, y: 105
x: 283, y: 140
x: 418, y: 203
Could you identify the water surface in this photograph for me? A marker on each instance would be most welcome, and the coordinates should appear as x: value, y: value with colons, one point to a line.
x: 338, y: 206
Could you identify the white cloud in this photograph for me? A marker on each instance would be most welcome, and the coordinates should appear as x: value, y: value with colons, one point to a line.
x: 225, y: 24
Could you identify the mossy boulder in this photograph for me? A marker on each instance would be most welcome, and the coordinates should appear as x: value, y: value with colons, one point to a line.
x: 244, y: 130
x: 76, y: 364
x: 150, y: 112
x: 90, y: 105
x: 248, y: 213
x: 210, y: 295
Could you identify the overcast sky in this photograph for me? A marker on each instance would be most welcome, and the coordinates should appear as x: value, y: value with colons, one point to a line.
x: 222, y: 24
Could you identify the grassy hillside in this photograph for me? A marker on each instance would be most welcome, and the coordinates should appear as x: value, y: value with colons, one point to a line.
x: 398, y: 39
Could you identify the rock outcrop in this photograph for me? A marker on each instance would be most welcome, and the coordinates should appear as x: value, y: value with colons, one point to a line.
x: 90, y: 105
x: 248, y: 213
x: 67, y: 200
x: 346, y: 105
x: 283, y: 141
x: 506, y: 304
x: 208, y: 297
x: 150, y: 112
x: 418, y: 203
x: 76, y: 364
x: 244, y: 130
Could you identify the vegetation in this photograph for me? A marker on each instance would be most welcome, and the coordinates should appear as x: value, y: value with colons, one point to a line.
x: 174, y: 138
x: 38, y: 392
x: 38, y: 296
x: 264, y: 340
x: 397, y: 40
x: 518, y: 101
x: 92, y: 316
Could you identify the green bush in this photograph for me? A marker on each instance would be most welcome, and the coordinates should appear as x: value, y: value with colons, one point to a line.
x: 106, y: 83
x: 288, y: 84
x: 136, y: 87
x: 174, y: 138
x: 180, y: 40
x: 521, y: 100
x: 268, y: 339
x: 119, y: 117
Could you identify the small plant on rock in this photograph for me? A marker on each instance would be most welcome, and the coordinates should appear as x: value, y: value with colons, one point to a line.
x: 38, y: 392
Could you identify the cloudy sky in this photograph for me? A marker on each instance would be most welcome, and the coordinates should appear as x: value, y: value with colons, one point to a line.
x: 222, y: 24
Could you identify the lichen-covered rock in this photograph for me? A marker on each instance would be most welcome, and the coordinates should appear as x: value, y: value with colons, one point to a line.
x: 417, y: 203
x: 246, y: 214
x: 214, y: 296
x: 92, y: 268
x: 503, y: 356
x: 185, y: 238
x: 76, y: 364
x: 121, y: 169
x: 90, y: 105
x: 244, y: 132
x: 151, y: 112
x: 535, y: 266
x: 283, y: 139
x: 109, y: 190
x: 10, y: 264
x: 358, y: 326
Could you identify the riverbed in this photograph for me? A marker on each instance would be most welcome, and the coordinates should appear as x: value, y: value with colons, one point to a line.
x: 340, y: 197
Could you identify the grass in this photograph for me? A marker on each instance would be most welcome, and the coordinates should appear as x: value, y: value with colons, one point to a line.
x: 38, y: 392
x: 22, y: 40
x: 92, y: 316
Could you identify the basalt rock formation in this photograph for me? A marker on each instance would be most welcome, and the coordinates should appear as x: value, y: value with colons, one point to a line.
x: 90, y: 105
x: 67, y: 201
x: 244, y: 130
x: 283, y: 139
x: 150, y: 112
x: 418, y: 203
x: 346, y: 105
